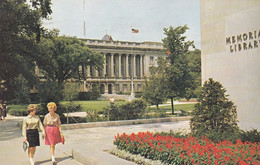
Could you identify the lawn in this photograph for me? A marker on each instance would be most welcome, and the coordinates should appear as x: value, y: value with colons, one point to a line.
x: 177, y: 107
x: 91, y: 105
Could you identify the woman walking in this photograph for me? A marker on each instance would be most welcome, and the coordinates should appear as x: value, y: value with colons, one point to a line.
x: 30, y: 127
x: 52, y: 125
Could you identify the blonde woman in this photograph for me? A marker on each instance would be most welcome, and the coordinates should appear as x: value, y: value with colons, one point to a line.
x: 30, y: 127
x: 52, y: 125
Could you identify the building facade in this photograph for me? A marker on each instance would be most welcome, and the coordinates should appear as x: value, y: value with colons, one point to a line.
x: 126, y: 65
x: 230, y: 49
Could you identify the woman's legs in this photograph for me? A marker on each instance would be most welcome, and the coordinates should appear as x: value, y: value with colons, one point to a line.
x: 52, y: 150
x: 31, y: 152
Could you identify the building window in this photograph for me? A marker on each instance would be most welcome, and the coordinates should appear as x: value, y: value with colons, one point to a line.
x: 139, y: 87
x: 124, y: 87
x: 151, y: 60
x: 117, y: 88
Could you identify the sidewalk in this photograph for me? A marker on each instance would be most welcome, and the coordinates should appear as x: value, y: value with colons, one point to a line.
x: 11, y: 147
x: 87, y: 145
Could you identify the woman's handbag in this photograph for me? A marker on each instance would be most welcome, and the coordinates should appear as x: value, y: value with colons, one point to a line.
x: 25, y: 145
x: 62, y: 140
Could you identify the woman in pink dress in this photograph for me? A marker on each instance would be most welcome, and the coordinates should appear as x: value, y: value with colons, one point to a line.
x: 52, y: 125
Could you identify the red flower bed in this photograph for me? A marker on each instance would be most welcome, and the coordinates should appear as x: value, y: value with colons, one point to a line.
x: 189, y: 150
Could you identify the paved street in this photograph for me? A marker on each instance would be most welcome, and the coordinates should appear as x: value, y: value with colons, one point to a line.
x: 89, y: 145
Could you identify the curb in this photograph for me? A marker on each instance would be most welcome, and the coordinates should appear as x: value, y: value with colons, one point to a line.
x: 84, y: 159
x: 122, y: 122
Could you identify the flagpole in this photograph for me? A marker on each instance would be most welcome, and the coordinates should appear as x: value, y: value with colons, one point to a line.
x: 132, y: 52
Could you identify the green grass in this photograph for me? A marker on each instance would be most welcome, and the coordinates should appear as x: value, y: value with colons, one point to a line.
x: 178, y: 107
x: 91, y: 105
x: 20, y: 107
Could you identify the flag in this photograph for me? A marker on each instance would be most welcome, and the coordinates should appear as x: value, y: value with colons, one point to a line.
x: 135, y: 31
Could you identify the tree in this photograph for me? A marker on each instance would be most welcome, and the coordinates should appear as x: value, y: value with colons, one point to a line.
x: 66, y: 56
x: 155, y: 91
x: 22, y: 92
x: 49, y: 91
x: 20, y: 32
x: 178, y: 76
x: 194, y: 63
x: 71, y: 91
x: 215, y: 112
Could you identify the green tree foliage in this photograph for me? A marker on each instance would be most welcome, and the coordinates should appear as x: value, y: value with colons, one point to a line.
x: 49, y: 91
x: 215, y: 114
x: 68, y: 58
x: 194, y: 63
x: 155, y: 90
x: 22, y: 92
x: 179, y: 79
x: 71, y: 91
x: 20, y: 32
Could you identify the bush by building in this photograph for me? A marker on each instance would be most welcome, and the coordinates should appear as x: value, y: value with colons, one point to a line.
x: 215, y: 116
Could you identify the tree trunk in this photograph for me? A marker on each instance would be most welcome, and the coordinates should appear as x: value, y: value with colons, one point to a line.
x: 157, y: 106
x: 172, y: 105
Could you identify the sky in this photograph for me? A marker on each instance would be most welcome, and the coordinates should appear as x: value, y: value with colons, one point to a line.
x: 118, y: 17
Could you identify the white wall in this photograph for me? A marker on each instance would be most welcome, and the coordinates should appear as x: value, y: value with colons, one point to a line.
x: 238, y: 71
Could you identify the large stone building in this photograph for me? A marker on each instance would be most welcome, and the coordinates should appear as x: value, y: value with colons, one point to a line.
x: 230, y: 47
x: 126, y: 65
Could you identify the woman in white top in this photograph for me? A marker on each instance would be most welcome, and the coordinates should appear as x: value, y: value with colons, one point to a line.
x: 52, y: 125
x: 30, y: 127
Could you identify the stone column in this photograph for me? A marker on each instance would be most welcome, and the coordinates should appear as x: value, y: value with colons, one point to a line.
x: 104, y: 66
x: 134, y: 66
x: 126, y: 65
x: 88, y: 71
x: 119, y: 65
x: 96, y: 72
x: 146, y: 66
x: 112, y: 65
x: 141, y: 65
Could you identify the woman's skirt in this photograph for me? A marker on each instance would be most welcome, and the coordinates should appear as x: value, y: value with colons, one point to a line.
x: 4, y: 113
x: 52, y: 135
x: 33, y: 137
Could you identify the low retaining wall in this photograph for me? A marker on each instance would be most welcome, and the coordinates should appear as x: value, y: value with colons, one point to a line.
x: 123, y: 122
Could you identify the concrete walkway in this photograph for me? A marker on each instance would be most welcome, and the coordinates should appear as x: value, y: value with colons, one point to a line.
x: 11, y: 151
x: 87, y: 145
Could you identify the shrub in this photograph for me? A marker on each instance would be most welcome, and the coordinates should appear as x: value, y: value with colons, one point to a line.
x: 94, y: 116
x: 18, y: 112
x: 93, y: 95
x: 251, y: 136
x: 215, y: 115
x: 131, y: 110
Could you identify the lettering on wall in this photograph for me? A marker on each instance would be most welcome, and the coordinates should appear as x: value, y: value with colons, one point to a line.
x: 243, y: 41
